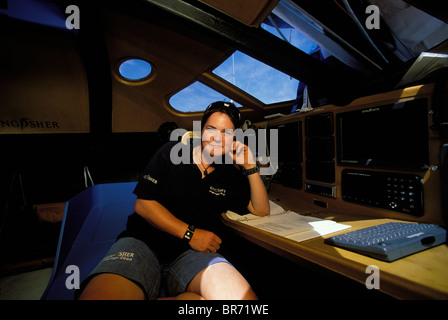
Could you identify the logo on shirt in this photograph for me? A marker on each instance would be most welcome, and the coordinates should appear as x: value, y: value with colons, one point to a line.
x: 148, y: 177
x: 217, y: 191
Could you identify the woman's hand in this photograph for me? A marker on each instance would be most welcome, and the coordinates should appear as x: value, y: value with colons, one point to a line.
x: 205, y: 241
x: 259, y: 202
x: 242, y: 155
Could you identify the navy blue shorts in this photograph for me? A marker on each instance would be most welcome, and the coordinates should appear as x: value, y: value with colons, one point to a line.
x: 132, y: 259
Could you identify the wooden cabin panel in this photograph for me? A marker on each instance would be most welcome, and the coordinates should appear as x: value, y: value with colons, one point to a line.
x: 43, y: 81
x: 177, y: 61
x: 250, y: 12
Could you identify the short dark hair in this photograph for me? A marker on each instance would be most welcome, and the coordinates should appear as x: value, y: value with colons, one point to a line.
x: 224, y: 107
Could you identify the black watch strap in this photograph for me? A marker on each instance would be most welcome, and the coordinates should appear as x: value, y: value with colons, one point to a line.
x: 189, y: 233
x: 252, y: 171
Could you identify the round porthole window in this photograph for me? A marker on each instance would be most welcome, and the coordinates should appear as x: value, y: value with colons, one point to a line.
x: 134, y: 70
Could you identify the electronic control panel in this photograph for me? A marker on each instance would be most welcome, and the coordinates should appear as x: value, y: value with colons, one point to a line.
x: 388, y: 190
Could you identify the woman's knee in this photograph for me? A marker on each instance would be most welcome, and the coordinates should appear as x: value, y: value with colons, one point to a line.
x: 221, y: 281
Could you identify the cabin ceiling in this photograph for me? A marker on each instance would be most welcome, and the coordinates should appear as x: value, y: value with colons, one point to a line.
x: 184, y: 41
x: 249, y: 12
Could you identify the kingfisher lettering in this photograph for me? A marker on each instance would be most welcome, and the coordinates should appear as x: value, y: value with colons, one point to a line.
x: 26, y: 123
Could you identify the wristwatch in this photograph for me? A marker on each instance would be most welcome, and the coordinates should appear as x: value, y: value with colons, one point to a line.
x: 189, y: 233
x: 252, y: 171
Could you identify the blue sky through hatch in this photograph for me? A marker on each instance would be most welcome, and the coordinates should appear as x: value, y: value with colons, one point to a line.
x: 196, y: 97
x: 256, y: 78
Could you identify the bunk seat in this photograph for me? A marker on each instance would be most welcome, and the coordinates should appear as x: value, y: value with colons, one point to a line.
x: 92, y: 221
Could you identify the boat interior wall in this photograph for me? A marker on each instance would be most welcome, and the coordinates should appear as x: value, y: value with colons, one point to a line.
x: 55, y: 167
x: 178, y: 61
x: 43, y: 81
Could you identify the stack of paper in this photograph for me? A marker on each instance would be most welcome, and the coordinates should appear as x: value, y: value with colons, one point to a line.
x: 289, y: 224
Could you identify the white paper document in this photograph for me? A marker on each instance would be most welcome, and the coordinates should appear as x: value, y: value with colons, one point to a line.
x: 289, y: 224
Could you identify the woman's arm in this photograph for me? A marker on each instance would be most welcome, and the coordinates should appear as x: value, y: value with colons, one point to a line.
x: 259, y: 201
x: 159, y: 217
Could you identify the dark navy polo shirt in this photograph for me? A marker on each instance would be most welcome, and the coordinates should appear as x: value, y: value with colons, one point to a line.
x: 181, y: 189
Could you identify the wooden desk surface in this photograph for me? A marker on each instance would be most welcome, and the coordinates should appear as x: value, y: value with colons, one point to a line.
x: 423, y: 275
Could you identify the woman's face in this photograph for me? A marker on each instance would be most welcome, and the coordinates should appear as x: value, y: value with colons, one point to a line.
x: 217, y: 135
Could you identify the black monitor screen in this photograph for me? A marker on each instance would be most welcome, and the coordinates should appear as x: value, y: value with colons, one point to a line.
x: 394, y: 136
x: 290, y: 147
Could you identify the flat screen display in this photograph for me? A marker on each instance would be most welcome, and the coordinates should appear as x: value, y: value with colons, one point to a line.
x: 391, y: 136
x: 290, y: 147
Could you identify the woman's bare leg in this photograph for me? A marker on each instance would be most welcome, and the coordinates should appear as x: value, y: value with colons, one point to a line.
x: 108, y: 286
x: 221, y: 281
